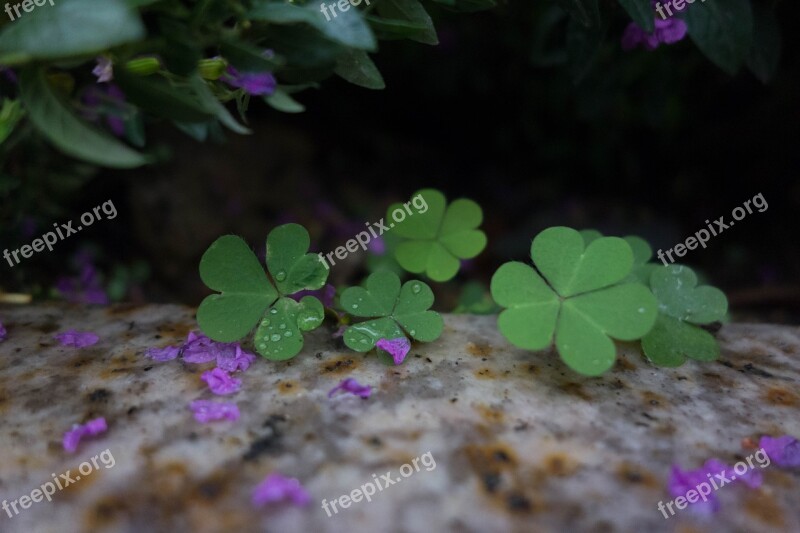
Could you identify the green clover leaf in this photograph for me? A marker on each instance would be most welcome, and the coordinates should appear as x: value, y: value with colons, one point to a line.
x: 396, y: 311
x: 576, y: 296
x: 245, y: 293
x: 641, y: 255
x: 439, y: 237
x: 682, y: 305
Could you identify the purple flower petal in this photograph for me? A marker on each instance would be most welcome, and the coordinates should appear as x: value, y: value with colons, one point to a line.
x: 377, y: 246
x: 398, y: 347
x: 238, y: 360
x: 671, y: 30
x: 325, y: 295
x: 207, y: 411
x: 3, y: 332
x: 277, y: 488
x: 198, y: 349
x: 668, y: 31
x: 167, y: 353
x: 77, y: 339
x: 680, y: 482
x: 783, y: 451
x: 352, y: 386
x: 220, y: 382
x: 256, y: 84
x: 104, y: 70
x: 91, y: 428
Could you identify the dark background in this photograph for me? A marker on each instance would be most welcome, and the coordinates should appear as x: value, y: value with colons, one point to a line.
x: 648, y: 143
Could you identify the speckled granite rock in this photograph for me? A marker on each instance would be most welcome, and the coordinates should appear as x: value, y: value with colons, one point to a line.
x: 520, y: 442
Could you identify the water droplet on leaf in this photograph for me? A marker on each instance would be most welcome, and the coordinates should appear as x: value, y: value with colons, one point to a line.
x: 275, y: 337
x: 416, y: 288
x: 280, y: 276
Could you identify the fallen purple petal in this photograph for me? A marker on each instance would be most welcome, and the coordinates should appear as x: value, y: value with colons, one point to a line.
x: 680, y: 482
x: 91, y: 428
x: 220, y: 382
x: 198, y: 349
x: 398, y: 348
x: 352, y: 386
x: 238, y: 360
x: 207, y: 411
x: 3, y: 332
x: 783, y: 451
x: 167, y: 353
x: 277, y: 488
x: 77, y: 339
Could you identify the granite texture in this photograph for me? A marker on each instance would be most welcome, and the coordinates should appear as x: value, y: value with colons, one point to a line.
x: 520, y: 442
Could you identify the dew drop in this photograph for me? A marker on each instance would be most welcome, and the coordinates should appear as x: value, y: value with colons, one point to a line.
x: 282, y: 326
x: 275, y: 337
x: 416, y: 288
x: 641, y: 309
x: 280, y: 276
x: 273, y: 311
x: 355, y: 306
x: 265, y: 322
x: 413, y: 332
x: 262, y: 345
x: 287, y: 334
x: 363, y: 341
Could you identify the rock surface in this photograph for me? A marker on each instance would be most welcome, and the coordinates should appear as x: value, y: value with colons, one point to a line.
x: 520, y: 443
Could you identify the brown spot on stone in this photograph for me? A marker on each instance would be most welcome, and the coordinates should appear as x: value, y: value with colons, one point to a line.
x: 340, y: 365
x: 533, y: 369
x: 519, y: 503
x: 288, y: 387
x: 762, y: 506
x: 48, y: 327
x: 782, y: 397
x: 490, y: 414
x: 625, y: 365
x: 479, y: 350
x: 653, y: 399
x: 484, y: 373
x: 635, y: 474
x: 106, y: 511
x: 560, y: 464
x: 575, y: 389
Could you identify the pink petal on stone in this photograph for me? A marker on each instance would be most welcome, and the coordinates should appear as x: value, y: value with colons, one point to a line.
x: 277, y: 488
x: 398, y: 348
x: 220, y: 382
x: 77, y: 339
x: 208, y: 411
x: 91, y: 428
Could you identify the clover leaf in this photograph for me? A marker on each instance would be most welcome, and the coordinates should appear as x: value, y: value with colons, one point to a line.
x: 246, y: 293
x: 439, y: 237
x: 476, y: 300
x: 575, y: 297
x: 682, y: 305
x: 642, y: 252
x: 395, y: 311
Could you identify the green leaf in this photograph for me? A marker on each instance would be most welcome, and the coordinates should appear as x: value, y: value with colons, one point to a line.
x: 281, y: 101
x: 56, y: 121
x: 292, y: 268
x: 347, y: 28
x: 468, y: 5
x: 399, y: 310
x: 723, y: 31
x: 583, y: 46
x: 475, y: 299
x: 583, y: 306
x: 671, y: 341
x: 764, y: 54
x: 230, y: 267
x: 279, y: 334
x: 356, y: 67
x: 10, y: 115
x: 211, y: 105
x: 69, y: 28
x: 410, y: 11
x: 560, y: 256
x: 439, y: 237
x: 161, y: 98
x: 641, y: 11
x: 675, y: 286
x: 246, y: 57
x: 682, y: 305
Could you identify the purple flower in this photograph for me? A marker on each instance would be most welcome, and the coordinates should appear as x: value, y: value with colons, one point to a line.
x: 238, y: 360
x: 85, y: 288
x: 398, y: 348
x: 199, y: 349
x: 106, y: 101
x: 208, y: 411
x: 104, y: 70
x: 91, y: 428
x: 666, y: 31
x: 277, y: 488
x: 681, y: 482
x: 253, y: 83
x: 77, y: 339
x: 3, y: 332
x: 783, y: 451
x: 167, y: 353
x: 220, y: 382
x: 352, y: 386
x: 325, y: 295
x: 377, y: 246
